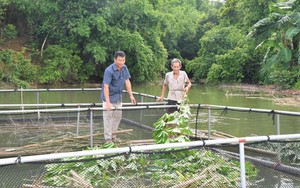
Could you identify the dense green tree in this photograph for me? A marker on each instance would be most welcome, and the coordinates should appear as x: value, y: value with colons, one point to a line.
x: 7, y: 31
x: 74, y: 41
x: 215, y: 42
x: 93, y: 30
x: 244, y: 13
x: 16, y: 68
x: 3, y: 7
x: 181, y: 26
x: 226, y: 55
x: 135, y: 27
x: 149, y: 32
x: 60, y: 65
x: 281, y: 31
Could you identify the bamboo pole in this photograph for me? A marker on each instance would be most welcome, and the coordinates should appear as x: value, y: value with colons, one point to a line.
x: 73, y: 138
x: 53, y: 146
x: 37, y: 186
x: 202, y: 175
x: 79, y: 181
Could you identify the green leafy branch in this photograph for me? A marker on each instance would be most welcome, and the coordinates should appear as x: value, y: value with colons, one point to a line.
x: 174, y: 127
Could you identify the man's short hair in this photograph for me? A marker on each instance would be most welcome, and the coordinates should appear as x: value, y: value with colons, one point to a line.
x: 120, y: 54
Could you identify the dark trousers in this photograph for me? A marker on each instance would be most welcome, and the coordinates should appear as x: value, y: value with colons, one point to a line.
x: 172, y: 109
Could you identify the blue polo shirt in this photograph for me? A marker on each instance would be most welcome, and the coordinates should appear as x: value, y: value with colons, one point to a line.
x: 116, y: 80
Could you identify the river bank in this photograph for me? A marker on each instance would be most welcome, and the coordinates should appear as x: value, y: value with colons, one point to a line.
x: 270, y: 92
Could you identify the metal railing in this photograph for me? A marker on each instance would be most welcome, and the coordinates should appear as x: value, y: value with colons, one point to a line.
x: 91, y: 107
x: 241, y: 141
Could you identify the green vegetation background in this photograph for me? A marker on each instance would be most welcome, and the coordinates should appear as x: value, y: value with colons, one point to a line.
x: 236, y: 41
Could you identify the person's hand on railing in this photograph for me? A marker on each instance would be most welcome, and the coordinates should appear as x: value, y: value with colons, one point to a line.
x: 159, y: 99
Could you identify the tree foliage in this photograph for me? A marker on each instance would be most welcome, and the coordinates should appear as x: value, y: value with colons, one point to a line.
x: 282, y: 40
x: 78, y: 38
x: 215, y: 44
x: 15, y: 68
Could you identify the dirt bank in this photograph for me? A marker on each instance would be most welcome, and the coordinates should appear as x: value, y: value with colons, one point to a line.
x: 278, y: 96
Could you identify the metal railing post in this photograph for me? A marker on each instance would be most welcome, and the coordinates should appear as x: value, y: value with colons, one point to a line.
x: 141, y: 115
x: 278, y: 123
x: 209, y: 123
x: 91, y: 127
x: 242, y: 164
x: 78, y: 120
x: 278, y: 133
x: 22, y: 99
x: 38, y: 102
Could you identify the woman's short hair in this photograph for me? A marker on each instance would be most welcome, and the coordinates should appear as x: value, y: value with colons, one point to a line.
x: 175, y: 60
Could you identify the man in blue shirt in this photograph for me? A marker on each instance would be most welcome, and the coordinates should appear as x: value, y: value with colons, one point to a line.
x: 115, y: 77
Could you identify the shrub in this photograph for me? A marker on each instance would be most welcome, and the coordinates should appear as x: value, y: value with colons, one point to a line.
x: 297, y: 85
x: 16, y: 69
x: 214, y: 75
x: 284, y: 78
x: 60, y: 64
x: 8, y: 32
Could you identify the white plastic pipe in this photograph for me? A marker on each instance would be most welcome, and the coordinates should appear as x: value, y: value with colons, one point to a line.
x: 36, y: 158
x: 242, y: 165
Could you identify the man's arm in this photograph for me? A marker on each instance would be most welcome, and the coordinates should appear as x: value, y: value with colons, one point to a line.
x: 106, y: 96
x: 129, y: 90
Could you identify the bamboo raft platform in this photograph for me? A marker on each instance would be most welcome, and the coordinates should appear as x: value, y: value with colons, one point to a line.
x: 78, y: 143
x: 71, y: 143
x: 67, y: 144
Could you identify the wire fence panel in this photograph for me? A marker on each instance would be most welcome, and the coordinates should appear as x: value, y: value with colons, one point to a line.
x: 206, y: 166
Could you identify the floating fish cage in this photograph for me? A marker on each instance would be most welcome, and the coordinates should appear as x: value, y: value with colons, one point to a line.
x: 38, y: 136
